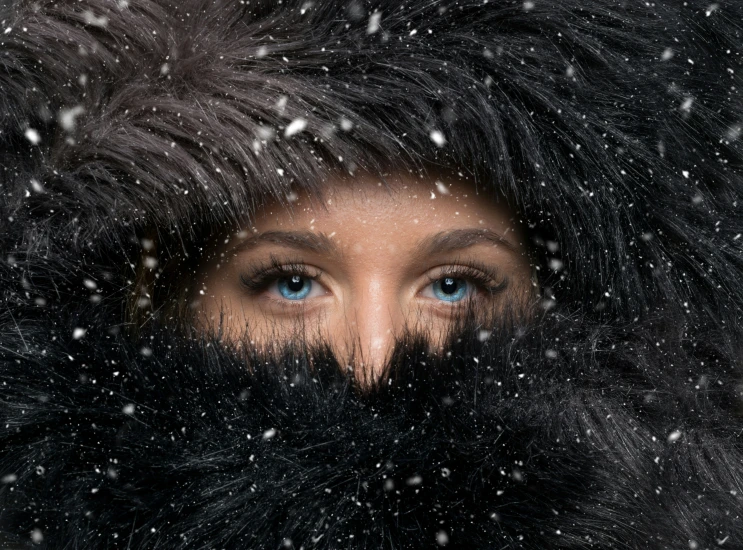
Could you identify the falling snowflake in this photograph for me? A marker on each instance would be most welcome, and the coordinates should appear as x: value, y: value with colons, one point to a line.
x: 438, y: 138
x: 374, y: 21
x: 33, y: 136
x: 296, y: 126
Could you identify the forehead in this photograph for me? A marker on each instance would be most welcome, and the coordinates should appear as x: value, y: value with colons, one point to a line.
x: 396, y: 206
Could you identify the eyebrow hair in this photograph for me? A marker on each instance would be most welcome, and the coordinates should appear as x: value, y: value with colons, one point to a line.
x: 440, y: 243
x: 299, y: 240
x: 457, y: 239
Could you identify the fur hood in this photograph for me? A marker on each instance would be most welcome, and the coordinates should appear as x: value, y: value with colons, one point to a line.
x: 613, y: 420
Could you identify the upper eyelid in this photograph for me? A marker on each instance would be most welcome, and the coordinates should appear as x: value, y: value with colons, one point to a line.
x: 276, y: 268
x: 263, y: 276
x: 466, y: 268
x: 500, y: 282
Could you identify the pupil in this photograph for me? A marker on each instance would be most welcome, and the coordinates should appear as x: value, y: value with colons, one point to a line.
x: 449, y: 286
x: 295, y: 284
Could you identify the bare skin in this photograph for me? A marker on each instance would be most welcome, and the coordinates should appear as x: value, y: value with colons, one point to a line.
x: 358, y: 265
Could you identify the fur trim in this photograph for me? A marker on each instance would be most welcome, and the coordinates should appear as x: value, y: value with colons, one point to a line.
x: 545, y: 438
x: 612, y: 128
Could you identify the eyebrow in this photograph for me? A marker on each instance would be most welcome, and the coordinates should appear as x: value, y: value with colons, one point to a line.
x: 298, y: 240
x: 458, y: 239
x: 440, y: 243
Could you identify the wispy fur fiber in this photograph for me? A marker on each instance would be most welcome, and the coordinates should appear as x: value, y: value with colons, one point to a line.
x: 612, y: 128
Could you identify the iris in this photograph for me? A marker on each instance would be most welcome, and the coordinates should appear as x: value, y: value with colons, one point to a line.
x: 450, y: 289
x: 295, y: 287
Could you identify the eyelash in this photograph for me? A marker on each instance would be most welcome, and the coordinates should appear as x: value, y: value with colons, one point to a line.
x: 483, y: 276
x: 261, y: 276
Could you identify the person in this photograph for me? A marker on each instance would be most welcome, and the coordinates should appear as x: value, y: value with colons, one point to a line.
x: 371, y: 274
x: 364, y: 265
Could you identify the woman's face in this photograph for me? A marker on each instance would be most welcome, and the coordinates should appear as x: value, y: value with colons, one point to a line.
x: 361, y: 264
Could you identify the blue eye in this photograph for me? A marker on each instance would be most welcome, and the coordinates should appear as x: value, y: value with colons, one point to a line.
x: 450, y: 289
x: 295, y: 287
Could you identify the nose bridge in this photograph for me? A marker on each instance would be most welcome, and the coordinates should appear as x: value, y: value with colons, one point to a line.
x: 376, y: 315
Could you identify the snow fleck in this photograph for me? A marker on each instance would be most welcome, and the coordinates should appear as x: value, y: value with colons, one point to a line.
x: 164, y: 69
x: 555, y: 264
x: 33, y: 136
x: 667, y: 54
x: 712, y: 8
x: 146, y: 352
x: 92, y: 19
x: 265, y: 132
x: 150, y: 262
x: 550, y: 354
x: 346, y: 124
x: 281, y: 103
x: 691, y: 62
x: 442, y: 538
x: 305, y: 7
x: 128, y: 409
x: 10, y: 478
x: 37, y: 537
x: 90, y: 284
x: 7, y: 31
x: 734, y: 132
x: 433, y: 195
x: 36, y: 186
x: 686, y: 105
x: 67, y: 117
x: 442, y: 188
x: 528, y: 5
x: 292, y: 196
x: 261, y: 52
x: 413, y: 32
x: 674, y: 436
x: 78, y: 333
x: 737, y: 237
x: 280, y: 171
x: 570, y: 71
x: 438, y: 138
x: 297, y: 125
x: 269, y: 434
x: 414, y: 480
x: 40, y: 470
x: 374, y: 20
x: 483, y: 335
x: 685, y: 173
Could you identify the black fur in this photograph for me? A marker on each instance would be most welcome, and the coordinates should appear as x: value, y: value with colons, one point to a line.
x: 612, y: 421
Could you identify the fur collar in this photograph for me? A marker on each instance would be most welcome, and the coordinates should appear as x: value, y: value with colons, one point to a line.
x: 561, y: 435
